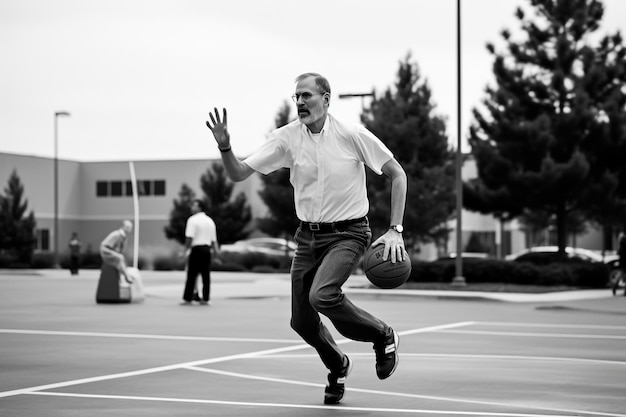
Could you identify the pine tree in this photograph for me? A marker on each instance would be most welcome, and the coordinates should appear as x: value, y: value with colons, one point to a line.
x: 175, y: 230
x: 404, y: 119
x: 277, y: 193
x: 17, y: 230
x: 553, y: 139
x: 231, y: 216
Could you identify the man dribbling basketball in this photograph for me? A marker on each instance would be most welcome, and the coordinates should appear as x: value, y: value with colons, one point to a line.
x: 327, y: 161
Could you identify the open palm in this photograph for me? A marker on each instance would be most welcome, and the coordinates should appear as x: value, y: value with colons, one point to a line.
x: 219, y: 128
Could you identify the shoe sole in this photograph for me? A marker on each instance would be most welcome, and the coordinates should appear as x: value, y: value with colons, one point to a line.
x: 396, y: 341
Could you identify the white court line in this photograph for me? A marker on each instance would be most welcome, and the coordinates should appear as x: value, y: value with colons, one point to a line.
x: 194, y: 363
x: 147, y: 371
x: 566, y: 326
x: 197, y: 338
x: 404, y: 395
x: 519, y: 357
x: 472, y: 356
x: 527, y: 334
x: 146, y: 336
x: 307, y: 407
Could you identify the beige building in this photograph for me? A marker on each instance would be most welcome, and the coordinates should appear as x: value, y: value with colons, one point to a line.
x: 95, y: 197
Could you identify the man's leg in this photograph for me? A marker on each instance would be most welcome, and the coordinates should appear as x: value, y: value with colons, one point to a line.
x: 341, y: 252
x: 192, y: 274
x: 327, y: 297
x: 305, y: 320
x: 206, y: 274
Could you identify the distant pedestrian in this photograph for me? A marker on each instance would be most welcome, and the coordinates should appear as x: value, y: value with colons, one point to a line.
x: 621, y: 252
x: 112, y: 249
x: 200, y: 243
x: 75, y: 246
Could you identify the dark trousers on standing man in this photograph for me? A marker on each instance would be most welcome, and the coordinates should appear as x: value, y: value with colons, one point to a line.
x: 199, y: 264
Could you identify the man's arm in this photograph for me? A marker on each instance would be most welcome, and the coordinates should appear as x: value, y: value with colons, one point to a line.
x: 235, y: 169
x: 393, y: 241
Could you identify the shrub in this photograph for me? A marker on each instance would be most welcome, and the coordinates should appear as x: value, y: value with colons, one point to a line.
x: 264, y: 269
x: 227, y: 267
x: 574, y: 273
x: 168, y: 263
x: 42, y: 260
x: 254, y: 260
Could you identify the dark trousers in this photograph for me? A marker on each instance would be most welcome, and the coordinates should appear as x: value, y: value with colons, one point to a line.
x: 322, y: 264
x: 199, y: 263
x: 74, y: 261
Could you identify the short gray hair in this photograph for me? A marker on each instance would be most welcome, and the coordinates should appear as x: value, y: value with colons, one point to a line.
x: 323, y: 86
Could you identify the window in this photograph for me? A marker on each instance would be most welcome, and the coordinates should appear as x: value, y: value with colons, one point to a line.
x: 128, y: 189
x: 43, y: 239
x: 145, y: 187
x: 124, y: 188
x: 116, y: 188
x: 102, y: 188
x: 159, y: 187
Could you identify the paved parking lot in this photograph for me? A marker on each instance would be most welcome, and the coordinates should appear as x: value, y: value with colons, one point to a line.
x: 61, y: 354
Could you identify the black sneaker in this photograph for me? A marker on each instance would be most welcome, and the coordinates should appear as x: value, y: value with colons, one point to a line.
x: 387, y: 355
x: 333, y: 393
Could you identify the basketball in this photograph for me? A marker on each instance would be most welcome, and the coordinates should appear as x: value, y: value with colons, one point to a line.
x: 385, y: 274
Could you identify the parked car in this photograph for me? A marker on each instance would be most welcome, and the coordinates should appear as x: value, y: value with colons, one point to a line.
x: 547, y: 254
x: 266, y: 245
x: 466, y: 255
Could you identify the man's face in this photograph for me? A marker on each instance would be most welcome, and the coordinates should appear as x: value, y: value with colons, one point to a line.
x: 314, y: 109
x: 195, y: 207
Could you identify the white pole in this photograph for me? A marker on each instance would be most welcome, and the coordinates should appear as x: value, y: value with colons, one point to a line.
x: 133, y: 181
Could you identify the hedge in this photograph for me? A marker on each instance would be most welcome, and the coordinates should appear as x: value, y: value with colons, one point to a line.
x: 574, y: 273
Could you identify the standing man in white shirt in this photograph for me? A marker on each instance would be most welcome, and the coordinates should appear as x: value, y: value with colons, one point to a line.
x: 200, y: 244
x: 327, y: 160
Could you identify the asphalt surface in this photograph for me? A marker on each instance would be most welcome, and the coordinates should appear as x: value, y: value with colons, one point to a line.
x: 462, y: 353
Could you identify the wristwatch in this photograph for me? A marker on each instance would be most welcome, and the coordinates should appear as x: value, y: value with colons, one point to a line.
x: 397, y: 227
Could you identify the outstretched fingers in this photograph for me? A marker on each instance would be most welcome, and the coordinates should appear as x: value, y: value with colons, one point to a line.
x: 216, y: 119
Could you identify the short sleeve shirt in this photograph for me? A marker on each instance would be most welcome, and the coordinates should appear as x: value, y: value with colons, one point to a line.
x: 115, y: 240
x: 327, y: 170
x: 201, y: 229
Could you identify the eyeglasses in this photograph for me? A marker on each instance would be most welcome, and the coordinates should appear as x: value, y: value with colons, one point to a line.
x: 306, y: 96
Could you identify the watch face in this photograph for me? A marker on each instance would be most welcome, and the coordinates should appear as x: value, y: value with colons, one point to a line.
x: 398, y: 228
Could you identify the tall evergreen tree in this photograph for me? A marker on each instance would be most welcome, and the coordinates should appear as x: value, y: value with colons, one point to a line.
x: 179, y: 214
x: 553, y: 139
x: 231, y: 216
x: 277, y: 193
x: 17, y: 229
x: 404, y: 119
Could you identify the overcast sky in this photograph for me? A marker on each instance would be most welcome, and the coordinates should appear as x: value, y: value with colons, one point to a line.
x: 140, y: 76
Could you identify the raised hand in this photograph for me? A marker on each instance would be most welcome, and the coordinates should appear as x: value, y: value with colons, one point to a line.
x: 219, y: 128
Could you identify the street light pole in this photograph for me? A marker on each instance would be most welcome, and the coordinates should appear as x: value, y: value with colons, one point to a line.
x: 459, y: 279
x: 362, y: 95
x: 56, y: 186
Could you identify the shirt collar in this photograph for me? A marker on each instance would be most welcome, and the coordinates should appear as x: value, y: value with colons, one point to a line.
x: 326, y: 125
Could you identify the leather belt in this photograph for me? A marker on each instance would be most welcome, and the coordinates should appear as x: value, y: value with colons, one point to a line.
x: 329, y: 227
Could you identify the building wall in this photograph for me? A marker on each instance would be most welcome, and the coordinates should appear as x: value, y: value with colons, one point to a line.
x: 93, y: 217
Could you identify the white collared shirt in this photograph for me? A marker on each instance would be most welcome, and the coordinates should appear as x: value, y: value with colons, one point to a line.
x: 201, y: 229
x: 327, y: 170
